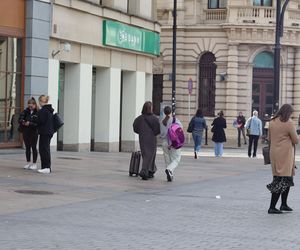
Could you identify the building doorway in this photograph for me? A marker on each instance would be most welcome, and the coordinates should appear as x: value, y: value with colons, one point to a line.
x: 157, y: 93
x: 207, y: 84
x: 10, y: 90
x: 263, y: 84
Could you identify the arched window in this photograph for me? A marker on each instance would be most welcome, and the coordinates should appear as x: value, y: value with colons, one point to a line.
x: 207, y: 83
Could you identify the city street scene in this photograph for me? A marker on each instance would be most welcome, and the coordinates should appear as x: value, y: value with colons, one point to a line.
x: 149, y: 124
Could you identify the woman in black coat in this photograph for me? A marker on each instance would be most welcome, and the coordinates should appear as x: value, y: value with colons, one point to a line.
x: 147, y: 127
x: 28, y: 126
x: 219, y: 137
x: 46, y: 131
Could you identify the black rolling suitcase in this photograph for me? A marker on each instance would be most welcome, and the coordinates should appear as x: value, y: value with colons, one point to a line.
x: 135, y: 161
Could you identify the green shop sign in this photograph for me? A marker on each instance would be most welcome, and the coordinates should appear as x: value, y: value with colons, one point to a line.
x: 127, y: 37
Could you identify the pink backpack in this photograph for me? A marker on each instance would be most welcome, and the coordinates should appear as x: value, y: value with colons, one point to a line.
x: 175, y: 135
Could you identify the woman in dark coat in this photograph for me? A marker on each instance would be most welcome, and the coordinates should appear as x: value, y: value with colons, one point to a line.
x: 28, y: 126
x: 147, y: 127
x: 46, y: 131
x: 219, y: 137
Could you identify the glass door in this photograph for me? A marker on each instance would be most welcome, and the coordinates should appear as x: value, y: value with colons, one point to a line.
x: 262, y: 91
x: 10, y: 89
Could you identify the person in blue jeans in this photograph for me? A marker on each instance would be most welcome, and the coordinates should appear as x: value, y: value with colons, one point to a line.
x: 219, y: 136
x: 196, y: 127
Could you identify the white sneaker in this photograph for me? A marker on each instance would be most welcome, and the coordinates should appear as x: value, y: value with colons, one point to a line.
x: 33, y: 167
x: 27, y: 166
x: 44, y: 171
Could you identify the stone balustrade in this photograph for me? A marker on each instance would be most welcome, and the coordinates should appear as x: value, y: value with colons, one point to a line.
x: 250, y: 15
x: 216, y: 15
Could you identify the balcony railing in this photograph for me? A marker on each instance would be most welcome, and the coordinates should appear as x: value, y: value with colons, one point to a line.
x: 250, y: 14
x: 259, y: 15
x: 216, y: 15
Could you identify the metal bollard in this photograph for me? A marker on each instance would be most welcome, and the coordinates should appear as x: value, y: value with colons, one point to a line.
x: 206, y: 136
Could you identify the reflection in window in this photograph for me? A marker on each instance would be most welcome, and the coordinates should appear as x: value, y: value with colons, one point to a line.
x: 262, y: 2
x: 10, y: 88
x: 217, y: 4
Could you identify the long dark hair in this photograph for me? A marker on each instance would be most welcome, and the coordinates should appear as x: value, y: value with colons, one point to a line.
x: 167, y: 111
x: 284, y: 113
x: 199, y: 113
x: 147, y: 108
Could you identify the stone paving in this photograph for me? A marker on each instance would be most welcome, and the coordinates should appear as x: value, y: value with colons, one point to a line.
x: 213, y: 203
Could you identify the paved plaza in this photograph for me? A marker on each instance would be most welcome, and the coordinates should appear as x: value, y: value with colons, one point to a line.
x: 90, y: 202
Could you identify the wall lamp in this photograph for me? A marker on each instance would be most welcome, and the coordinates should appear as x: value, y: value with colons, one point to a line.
x: 62, y: 47
x: 223, y: 76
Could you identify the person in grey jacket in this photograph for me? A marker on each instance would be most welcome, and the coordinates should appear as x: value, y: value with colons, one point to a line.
x: 255, y: 126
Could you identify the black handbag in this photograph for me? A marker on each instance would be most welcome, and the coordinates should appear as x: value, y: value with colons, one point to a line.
x: 57, y: 122
x: 266, y: 154
x: 191, y: 127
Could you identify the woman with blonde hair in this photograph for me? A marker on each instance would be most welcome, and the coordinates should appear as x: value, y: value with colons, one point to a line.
x: 282, y: 139
x: 46, y: 131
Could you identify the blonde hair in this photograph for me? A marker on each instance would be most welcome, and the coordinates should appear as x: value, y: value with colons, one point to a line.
x: 44, y: 98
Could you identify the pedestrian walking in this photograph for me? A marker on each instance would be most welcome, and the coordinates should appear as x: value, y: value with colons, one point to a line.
x: 282, y: 139
x: 147, y: 127
x: 219, y: 136
x: 28, y: 127
x: 240, y: 123
x: 46, y: 131
x: 196, y: 126
x: 254, y: 126
x: 172, y: 156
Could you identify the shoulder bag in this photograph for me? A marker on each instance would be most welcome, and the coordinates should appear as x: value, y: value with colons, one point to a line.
x: 249, y: 129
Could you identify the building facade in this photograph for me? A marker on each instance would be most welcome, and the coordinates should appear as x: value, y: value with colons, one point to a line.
x: 94, y: 59
x: 226, y: 49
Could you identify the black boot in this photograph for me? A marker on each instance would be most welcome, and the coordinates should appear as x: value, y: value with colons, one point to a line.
x: 284, y: 196
x: 274, y: 199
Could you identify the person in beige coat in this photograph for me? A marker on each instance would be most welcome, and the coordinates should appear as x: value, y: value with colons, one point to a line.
x: 282, y: 138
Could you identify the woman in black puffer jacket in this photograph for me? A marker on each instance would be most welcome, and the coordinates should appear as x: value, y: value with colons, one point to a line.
x: 28, y: 126
x: 46, y: 131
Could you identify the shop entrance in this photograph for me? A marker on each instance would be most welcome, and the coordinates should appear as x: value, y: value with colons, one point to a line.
x: 10, y: 90
x: 263, y: 84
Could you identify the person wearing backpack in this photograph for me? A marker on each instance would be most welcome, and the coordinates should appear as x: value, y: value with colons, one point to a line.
x: 147, y: 127
x: 46, y: 131
x: 28, y: 127
x: 196, y: 126
x: 172, y: 155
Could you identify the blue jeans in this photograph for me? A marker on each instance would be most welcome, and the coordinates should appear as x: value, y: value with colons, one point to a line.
x: 197, y: 141
x: 218, y: 148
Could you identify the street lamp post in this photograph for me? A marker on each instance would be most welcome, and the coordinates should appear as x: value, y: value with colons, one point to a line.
x: 279, y: 33
x: 174, y: 58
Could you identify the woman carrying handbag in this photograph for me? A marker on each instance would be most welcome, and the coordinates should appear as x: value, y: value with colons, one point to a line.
x: 282, y: 138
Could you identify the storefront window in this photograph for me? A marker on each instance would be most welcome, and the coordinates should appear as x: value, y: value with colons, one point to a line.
x: 262, y: 2
x: 217, y: 4
x: 10, y: 88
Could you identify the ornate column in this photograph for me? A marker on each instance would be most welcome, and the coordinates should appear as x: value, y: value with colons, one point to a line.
x: 232, y: 87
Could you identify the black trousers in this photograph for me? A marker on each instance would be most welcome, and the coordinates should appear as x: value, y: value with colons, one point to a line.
x: 253, y: 139
x: 241, y: 131
x: 30, y: 138
x: 44, y: 148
